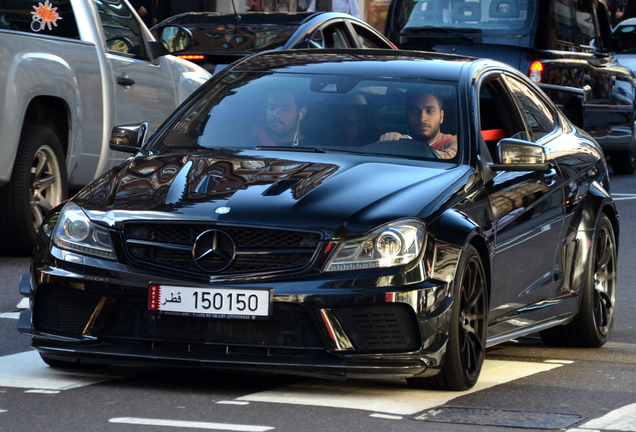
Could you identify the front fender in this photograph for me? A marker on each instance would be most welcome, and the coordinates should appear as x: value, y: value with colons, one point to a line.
x: 31, y: 75
x: 449, y: 236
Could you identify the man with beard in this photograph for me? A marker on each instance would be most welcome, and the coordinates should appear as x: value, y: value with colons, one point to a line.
x: 283, y: 116
x: 424, y: 116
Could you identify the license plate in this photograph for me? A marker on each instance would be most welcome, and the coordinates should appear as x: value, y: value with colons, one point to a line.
x: 211, y: 303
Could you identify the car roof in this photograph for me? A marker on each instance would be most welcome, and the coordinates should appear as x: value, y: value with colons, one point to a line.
x: 364, y: 62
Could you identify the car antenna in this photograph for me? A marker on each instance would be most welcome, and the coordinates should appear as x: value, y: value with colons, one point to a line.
x: 238, y: 17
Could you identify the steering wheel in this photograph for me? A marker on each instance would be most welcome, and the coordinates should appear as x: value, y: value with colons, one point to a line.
x: 410, y: 147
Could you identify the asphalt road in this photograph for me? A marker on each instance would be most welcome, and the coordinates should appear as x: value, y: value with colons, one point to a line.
x: 523, y: 383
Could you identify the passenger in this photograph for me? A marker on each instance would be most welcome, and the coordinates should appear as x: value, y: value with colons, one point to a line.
x: 283, y: 117
x: 424, y: 116
x: 351, y: 127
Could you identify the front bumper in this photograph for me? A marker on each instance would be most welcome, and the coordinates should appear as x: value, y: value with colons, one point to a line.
x: 97, y: 313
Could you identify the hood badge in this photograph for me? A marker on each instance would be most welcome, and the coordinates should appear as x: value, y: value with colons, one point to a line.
x: 222, y: 210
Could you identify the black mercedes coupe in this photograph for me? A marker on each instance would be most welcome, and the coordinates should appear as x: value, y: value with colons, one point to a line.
x: 335, y: 213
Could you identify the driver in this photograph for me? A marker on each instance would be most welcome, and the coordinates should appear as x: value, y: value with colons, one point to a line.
x: 424, y: 116
x: 283, y: 116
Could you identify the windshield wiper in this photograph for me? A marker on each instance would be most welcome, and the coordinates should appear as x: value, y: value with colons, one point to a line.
x: 289, y: 148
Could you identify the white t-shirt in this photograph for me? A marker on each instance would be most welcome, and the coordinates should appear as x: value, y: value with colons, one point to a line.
x: 346, y: 6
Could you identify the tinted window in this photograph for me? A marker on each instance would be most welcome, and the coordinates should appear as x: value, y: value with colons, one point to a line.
x: 231, y: 38
x: 563, y: 24
x: 512, y: 17
x: 55, y: 18
x: 343, y: 113
x: 586, y: 23
x: 625, y: 38
x: 537, y: 115
x: 333, y: 36
x: 121, y: 29
x: 367, y: 39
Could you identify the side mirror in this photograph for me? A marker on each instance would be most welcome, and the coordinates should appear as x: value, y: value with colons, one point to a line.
x: 128, y: 138
x: 519, y: 155
x: 174, y: 39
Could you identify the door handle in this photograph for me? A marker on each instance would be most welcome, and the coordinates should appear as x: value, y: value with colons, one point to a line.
x: 125, y: 81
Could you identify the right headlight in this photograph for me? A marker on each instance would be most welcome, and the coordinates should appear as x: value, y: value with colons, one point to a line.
x: 75, y: 231
x: 390, y: 245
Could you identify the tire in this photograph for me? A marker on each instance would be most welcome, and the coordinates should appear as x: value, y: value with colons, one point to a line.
x: 623, y: 162
x: 466, y: 347
x: 593, y: 324
x: 38, y: 183
x: 63, y: 364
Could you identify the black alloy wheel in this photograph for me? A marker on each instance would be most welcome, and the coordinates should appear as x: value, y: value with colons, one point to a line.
x: 466, y: 347
x: 593, y: 324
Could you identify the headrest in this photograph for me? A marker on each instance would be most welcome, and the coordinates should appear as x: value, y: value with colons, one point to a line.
x: 466, y: 12
x: 504, y: 9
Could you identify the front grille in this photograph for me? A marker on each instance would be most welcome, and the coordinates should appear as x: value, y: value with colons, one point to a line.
x: 170, y: 247
x: 289, y: 327
x: 63, y: 311
x: 390, y: 327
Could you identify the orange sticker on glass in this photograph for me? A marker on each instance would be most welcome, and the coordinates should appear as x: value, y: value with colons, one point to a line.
x: 45, y: 15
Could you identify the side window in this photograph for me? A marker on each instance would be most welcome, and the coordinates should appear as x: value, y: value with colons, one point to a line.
x: 539, y: 118
x: 586, y: 23
x: 53, y: 18
x: 563, y: 25
x: 121, y: 29
x: 335, y: 36
x: 498, y: 116
x: 332, y: 36
x: 366, y: 39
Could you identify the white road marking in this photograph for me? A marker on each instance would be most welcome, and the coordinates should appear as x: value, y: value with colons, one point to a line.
x: 623, y: 196
x: 10, y: 315
x: 190, y: 424
x: 1, y: 410
x: 562, y: 362
x: 27, y: 370
x: 24, y: 303
x: 40, y: 391
x: 622, y: 419
x: 232, y: 403
x: 386, y: 416
x: 391, y: 396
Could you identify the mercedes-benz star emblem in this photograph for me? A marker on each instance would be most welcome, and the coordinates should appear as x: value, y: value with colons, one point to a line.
x: 213, y: 251
x: 222, y: 210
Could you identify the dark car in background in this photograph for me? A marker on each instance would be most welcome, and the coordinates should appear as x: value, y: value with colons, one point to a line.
x: 561, y: 44
x: 338, y: 254
x: 214, y: 40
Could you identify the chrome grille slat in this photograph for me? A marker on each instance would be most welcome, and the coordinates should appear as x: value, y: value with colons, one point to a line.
x: 258, y: 250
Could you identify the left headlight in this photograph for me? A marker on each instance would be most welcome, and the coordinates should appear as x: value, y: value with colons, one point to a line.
x: 74, y: 231
x: 390, y: 245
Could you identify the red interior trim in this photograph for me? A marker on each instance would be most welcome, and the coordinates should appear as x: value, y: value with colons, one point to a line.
x: 493, y: 134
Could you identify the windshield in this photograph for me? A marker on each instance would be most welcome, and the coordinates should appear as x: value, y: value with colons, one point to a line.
x: 625, y: 38
x: 303, y: 112
x: 497, y: 17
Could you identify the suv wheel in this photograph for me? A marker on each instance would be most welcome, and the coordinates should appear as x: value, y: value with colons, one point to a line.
x: 38, y: 183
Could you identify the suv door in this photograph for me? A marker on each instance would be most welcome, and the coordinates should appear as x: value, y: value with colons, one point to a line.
x: 144, y: 90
